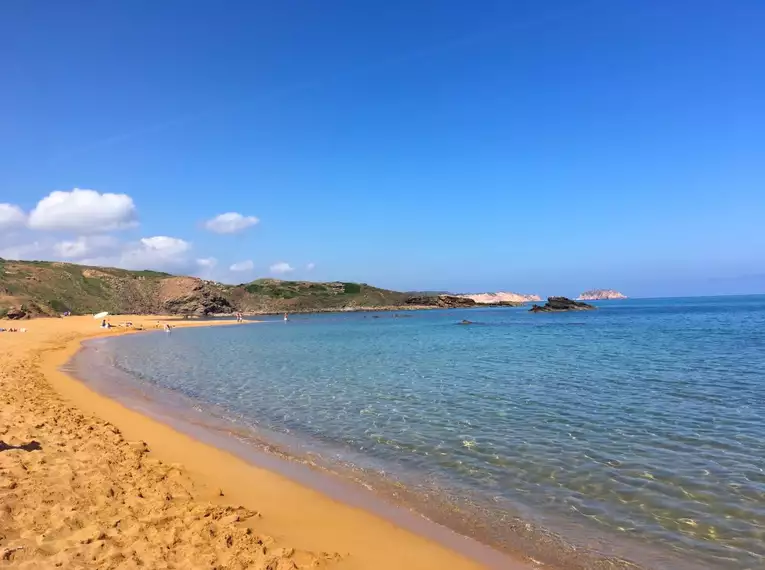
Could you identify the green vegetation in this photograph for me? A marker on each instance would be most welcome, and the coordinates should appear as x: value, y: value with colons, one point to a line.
x: 46, y: 287
x: 254, y: 287
x: 58, y: 306
x: 147, y: 273
x: 351, y: 288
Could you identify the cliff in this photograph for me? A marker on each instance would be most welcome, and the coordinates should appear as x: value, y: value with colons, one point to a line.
x: 600, y: 295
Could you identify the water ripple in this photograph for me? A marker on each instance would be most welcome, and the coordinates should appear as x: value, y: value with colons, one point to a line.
x: 642, y: 419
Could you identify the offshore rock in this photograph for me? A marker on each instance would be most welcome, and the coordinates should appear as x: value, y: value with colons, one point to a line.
x: 559, y: 305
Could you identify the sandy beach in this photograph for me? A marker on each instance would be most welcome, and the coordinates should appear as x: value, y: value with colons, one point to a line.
x: 85, y: 482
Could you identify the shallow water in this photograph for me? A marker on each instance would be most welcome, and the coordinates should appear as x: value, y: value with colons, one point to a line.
x: 641, y: 422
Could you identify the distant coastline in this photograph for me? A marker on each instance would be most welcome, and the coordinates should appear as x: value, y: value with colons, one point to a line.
x: 500, y: 297
x: 49, y: 288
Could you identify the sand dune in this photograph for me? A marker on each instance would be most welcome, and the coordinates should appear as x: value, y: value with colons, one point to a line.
x: 79, y: 491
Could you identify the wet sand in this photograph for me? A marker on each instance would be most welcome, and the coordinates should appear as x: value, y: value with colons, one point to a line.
x: 87, y: 482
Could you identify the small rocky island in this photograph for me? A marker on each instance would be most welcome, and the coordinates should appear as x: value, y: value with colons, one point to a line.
x: 600, y: 295
x: 559, y: 305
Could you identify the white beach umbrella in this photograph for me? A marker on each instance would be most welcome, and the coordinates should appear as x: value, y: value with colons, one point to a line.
x: 100, y: 315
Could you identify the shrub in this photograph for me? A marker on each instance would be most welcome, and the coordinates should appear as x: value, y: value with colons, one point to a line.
x: 283, y: 293
x: 58, y: 306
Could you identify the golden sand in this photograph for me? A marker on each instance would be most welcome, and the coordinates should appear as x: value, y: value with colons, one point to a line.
x: 86, y: 482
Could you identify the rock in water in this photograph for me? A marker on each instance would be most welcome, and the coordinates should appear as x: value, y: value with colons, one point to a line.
x: 559, y: 305
x: 600, y: 295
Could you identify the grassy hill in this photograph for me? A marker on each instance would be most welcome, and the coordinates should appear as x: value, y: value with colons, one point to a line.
x: 50, y: 288
x: 264, y: 294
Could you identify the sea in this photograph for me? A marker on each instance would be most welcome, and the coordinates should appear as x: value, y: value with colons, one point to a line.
x: 628, y: 436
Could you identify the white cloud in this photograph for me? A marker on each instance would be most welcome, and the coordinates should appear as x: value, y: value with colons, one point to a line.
x: 71, y: 249
x: 310, y: 266
x: 242, y: 266
x: 165, y: 245
x: 34, y: 250
x: 230, y: 223
x: 11, y: 217
x: 158, y: 252
x: 83, y: 211
x: 205, y: 267
x: 281, y: 267
x: 85, y: 246
x: 161, y: 253
x: 207, y: 262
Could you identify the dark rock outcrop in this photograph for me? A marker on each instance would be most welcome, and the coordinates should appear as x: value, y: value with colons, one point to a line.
x: 560, y: 304
x: 442, y: 301
x: 200, y: 303
x: 16, y: 314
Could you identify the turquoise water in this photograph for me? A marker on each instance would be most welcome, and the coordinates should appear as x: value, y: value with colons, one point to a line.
x: 642, y: 421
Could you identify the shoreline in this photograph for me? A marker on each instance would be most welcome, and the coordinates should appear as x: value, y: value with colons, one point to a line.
x: 382, y: 309
x: 435, y: 511
x: 326, y: 532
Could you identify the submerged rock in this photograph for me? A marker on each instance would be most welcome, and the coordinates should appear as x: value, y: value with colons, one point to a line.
x: 560, y: 304
x: 465, y: 322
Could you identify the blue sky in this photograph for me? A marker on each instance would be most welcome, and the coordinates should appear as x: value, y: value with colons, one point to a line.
x: 544, y: 147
